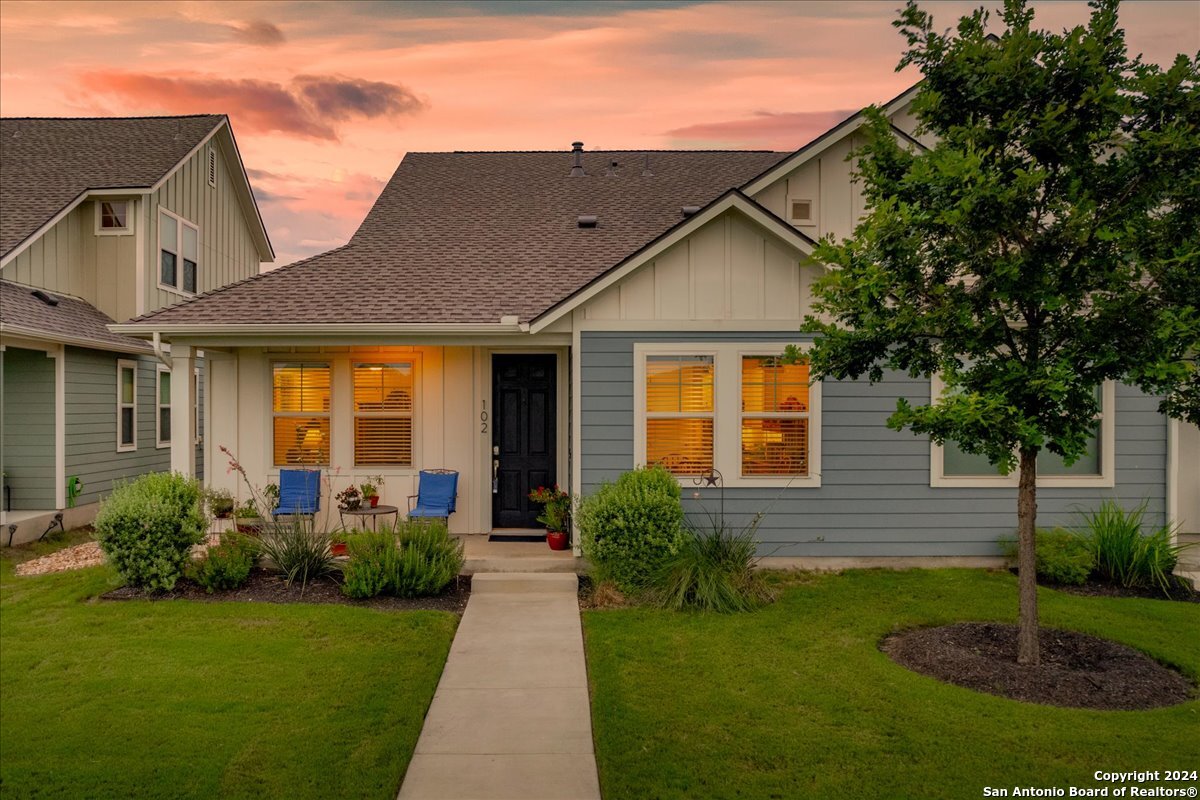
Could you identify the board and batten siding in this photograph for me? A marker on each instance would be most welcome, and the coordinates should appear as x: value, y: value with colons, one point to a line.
x: 27, y: 442
x: 226, y: 247
x: 875, y: 498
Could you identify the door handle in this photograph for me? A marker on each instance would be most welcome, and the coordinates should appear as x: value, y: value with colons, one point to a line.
x: 495, y: 476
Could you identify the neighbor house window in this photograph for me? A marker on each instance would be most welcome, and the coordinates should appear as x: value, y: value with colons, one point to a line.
x: 126, y: 405
x: 179, y: 245
x: 953, y: 466
x: 774, y: 416
x: 164, y: 406
x: 300, y: 397
x: 112, y: 216
x: 383, y: 414
x: 729, y: 407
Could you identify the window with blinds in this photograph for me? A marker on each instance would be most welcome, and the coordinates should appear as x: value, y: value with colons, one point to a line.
x: 679, y: 412
x: 775, y: 417
x: 300, y: 397
x: 383, y: 415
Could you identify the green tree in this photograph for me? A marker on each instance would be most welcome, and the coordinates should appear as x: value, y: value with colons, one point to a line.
x: 1047, y: 242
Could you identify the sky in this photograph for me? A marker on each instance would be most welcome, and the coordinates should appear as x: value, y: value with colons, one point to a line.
x: 326, y: 98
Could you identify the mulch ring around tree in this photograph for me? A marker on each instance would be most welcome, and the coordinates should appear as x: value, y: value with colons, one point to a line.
x: 264, y: 586
x: 1076, y: 670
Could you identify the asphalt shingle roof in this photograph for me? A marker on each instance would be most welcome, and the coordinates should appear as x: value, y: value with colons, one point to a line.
x: 71, y: 318
x: 45, y: 163
x: 472, y: 237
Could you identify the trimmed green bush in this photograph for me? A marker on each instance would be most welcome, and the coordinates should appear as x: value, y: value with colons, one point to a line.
x: 227, y: 565
x: 713, y: 571
x: 1124, y: 555
x: 296, y: 551
x: 632, y: 526
x: 416, y: 559
x: 147, y: 528
x: 1063, y: 556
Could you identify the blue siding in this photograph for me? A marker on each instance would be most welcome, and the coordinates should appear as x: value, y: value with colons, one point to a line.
x: 875, y: 498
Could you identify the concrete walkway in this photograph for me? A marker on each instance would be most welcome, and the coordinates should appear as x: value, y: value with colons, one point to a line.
x: 510, y: 719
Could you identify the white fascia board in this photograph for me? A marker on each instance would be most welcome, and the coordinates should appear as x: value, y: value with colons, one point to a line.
x: 732, y: 200
x: 300, y: 329
x: 74, y: 341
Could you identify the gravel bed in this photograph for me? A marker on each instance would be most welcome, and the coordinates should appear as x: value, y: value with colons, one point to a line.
x: 83, y: 555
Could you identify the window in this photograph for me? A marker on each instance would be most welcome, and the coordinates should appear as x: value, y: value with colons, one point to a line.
x: 732, y: 407
x: 164, y: 406
x: 300, y: 395
x: 179, y: 245
x: 112, y: 217
x: 126, y: 405
x: 383, y: 415
x: 950, y: 465
x: 800, y: 212
x: 774, y: 417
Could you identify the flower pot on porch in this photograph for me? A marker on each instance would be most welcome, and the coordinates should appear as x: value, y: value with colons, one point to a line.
x: 557, y: 540
x: 338, y: 548
x: 374, y: 500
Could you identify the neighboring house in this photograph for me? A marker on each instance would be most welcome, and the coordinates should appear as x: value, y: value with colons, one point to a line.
x: 103, y: 220
x: 528, y: 318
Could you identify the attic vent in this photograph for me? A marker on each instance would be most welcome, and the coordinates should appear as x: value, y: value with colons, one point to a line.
x: 690, y: 211
x: 212, y: 167
x: 45, y: 297
x: 587, y: 220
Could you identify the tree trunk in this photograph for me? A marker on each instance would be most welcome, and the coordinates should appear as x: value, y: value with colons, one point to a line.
x: 1027, y: 625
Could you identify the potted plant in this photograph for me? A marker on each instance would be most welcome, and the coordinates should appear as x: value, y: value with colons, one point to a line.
x: 220, y: 501
x: 247, y: 519
x: 370, y: 489
x: 349, y: 499
x: 271, y: 496
x: 337, y: 543
x: 556, y: 515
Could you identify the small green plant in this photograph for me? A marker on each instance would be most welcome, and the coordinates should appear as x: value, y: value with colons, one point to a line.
x: 556, y: 508
x: 1063, y: 556
x: 271, y: 497
x: 370, y: 565
x: 370, y: 487
x: 295, y: 551
x: 226, y: 565
x: 1126, y: 556
x: 148, y: 527
x: 415, y: 560
x: 714, y: 570
x: 632, y: 526
x: 247, y: 510
x: 220, y: 502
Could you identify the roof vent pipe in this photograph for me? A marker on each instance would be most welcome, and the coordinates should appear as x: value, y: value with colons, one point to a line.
x: 577, y: 166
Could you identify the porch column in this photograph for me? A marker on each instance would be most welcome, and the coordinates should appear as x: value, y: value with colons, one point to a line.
x: 183, y: 418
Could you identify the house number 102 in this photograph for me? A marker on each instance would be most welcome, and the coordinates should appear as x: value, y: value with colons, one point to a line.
x: 483, y: 418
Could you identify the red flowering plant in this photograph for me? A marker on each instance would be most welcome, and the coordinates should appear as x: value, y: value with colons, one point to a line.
x: 556, y: 508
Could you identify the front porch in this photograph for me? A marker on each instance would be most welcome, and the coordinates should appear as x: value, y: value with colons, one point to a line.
x: 484, y: 556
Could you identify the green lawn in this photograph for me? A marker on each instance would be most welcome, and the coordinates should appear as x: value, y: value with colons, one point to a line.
x: 796, y: 701
x: 181, y: 699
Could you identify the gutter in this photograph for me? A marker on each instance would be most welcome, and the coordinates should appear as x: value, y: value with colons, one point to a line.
x: 155, y: 331
x: 159, y: 353
x: 74, y: 341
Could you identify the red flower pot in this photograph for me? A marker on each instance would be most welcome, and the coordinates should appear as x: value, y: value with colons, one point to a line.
x: 338, y: 548
x: 557, y: 540
x: 374, y: 500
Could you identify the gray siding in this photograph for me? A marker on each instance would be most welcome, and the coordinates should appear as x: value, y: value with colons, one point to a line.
x: 27, y: 434
x: 91, y: 422
x: 875, y: 498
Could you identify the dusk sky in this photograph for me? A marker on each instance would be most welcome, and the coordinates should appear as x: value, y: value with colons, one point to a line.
x: 325, y: 99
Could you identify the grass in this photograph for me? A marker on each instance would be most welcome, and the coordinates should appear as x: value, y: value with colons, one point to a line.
x: 796, y: 700
x: 181, y: 699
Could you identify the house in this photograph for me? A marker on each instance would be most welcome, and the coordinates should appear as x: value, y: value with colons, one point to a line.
x: 527, y: 318
x: 103, y: 220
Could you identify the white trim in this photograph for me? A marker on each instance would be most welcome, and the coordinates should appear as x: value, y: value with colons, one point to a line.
x: 139, y: 257
x: 128, y: 230
x: 1173, y: 445
x: 199, y: 437
x: 1108, y: 459
x: 159, y: 442
x: 731, y: 200
x: 303, y: 359
x: 808, y: 222
x: 180, y: 223
x: 575, y: 462
x: 122, y: 365
x: 727, y: 415
x: 93, y: 344
x: 330, y: 329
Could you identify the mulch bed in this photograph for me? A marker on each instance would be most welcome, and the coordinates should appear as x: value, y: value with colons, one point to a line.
x: 265, y: 587
x: 1181, y: 591
x: 1076, y: 670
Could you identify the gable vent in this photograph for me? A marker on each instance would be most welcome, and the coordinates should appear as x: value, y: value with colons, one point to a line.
x: 587, y: 220
x: 212, y: 167
x: 45, y: 297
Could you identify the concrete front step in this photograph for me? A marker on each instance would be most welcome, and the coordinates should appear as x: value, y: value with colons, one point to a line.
x: 486, y: 564
x: 524, y: 583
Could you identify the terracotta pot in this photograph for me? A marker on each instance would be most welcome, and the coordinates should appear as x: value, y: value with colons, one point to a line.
x: 338, y: 548
x: 557, y: 540
x: 374, y: 500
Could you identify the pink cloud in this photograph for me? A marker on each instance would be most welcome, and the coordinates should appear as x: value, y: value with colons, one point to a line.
x: 779, y: 131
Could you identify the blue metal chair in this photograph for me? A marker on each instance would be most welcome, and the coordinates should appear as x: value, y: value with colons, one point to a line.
x: 299, y: 492
x: 437, y: 495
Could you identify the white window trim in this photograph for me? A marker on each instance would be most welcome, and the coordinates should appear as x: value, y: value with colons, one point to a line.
x: 196, y: 405
x: 811, y: 222
x: 1108, y: 461
x: 300, y: 358
x: 122, y: 365
x: 127, y: 230
x: 727, y: 410
x: 178, y: 251
x: 159, y: 442
x: 406, y: 358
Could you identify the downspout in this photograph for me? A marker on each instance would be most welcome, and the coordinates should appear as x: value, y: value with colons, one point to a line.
x: 159, y: 353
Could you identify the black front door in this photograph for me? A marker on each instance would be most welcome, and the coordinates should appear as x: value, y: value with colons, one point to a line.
x: 523, y: 442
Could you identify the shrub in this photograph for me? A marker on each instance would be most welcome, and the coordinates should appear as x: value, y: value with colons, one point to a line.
x: 296, y: 551
x: 632, y: 526
x: 414, y: 560
x: 227, y: 565
x: 1123, y: 554
x: 148, y: 527
x: 713, y: 571
x: 1063, y: 556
